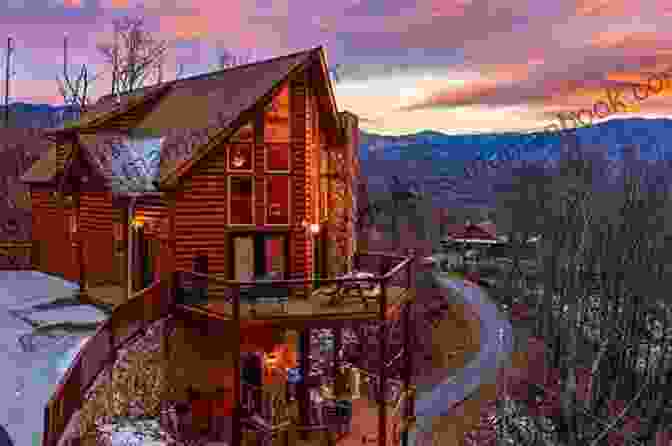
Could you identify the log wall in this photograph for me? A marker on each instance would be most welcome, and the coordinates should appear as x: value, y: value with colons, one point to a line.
x: 97, y: 215
x: 50, y: 229
x: 299, y: 244
x: 201, y: 214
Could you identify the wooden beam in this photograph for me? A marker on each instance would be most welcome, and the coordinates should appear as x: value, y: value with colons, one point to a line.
x: 382, y: 408
x: 237, y: 428
x: 303, y: 392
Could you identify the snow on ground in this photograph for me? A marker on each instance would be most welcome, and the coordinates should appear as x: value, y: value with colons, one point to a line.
x: 29, y: 378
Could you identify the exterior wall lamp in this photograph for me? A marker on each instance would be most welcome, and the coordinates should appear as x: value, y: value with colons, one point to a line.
x: 138, y: 222
x: 313, y: 228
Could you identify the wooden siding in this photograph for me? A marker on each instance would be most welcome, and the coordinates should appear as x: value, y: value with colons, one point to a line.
x: 299, y: 238
x: 310, y: 115
x: 200, y: 214
x: 50, y: 229
x: 97, y: 215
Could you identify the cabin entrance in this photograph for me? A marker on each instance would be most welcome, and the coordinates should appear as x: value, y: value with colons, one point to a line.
x: 145, y: 253
x: 258, y: 255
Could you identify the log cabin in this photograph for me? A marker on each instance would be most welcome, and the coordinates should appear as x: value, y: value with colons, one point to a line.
x: 241, y: 172
x: 238, y: 174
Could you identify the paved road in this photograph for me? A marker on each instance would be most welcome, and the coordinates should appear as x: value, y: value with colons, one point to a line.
x: 496, y: 347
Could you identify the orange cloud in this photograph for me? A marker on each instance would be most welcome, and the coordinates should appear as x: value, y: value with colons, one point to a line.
x: 120, y: 4
x: 606, y: 8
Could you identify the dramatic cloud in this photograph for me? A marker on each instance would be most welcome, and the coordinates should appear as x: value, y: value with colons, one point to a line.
x: 404, y: 65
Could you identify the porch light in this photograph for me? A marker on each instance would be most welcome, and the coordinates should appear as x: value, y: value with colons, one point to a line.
x: 138, y: 222
x: 271, y: 359
x: 315, y: 228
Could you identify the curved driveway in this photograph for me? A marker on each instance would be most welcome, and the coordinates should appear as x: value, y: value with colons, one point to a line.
x: 496, y: 347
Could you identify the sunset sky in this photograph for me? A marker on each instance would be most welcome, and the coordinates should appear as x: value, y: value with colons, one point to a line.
x: 456, y: 66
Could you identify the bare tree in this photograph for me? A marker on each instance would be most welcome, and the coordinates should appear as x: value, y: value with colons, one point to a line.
x: 134, y: 55
x: 75, y: 93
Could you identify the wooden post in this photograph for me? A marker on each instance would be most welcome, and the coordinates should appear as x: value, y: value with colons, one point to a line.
x: 236, y: 434
x: 83, y: 288
x: 46, y: 441
x: 382, y: 409
x: 408, y: 368
x: 35, y: 255
x: 303, y: 394
x: 338, y: 333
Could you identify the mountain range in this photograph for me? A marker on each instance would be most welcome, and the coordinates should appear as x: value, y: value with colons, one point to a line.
x: 426, y: 155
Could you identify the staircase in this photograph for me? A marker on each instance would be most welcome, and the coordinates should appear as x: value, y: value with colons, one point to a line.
x: 127, y: 322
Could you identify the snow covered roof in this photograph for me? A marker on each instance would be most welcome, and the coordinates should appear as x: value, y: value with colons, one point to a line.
x: 129, y: 161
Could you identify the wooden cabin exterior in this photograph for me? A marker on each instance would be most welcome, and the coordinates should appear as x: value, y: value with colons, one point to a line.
x: 255, y: 176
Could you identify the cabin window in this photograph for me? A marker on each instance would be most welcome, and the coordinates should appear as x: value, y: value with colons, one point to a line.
x: 277, y: 157
x: 241, y: 208
x: 276, y: 118
x: 278, y: 193
x: 240, y: 157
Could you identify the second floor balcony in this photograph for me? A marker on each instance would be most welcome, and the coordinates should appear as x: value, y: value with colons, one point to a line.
x: 376, y: 283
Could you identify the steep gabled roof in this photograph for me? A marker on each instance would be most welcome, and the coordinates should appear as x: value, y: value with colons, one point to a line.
x: 217, y: 106
x: 470, y: 232
x: 191, y: 115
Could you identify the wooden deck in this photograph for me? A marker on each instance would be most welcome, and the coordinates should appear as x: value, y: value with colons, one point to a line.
x: 299, y: 313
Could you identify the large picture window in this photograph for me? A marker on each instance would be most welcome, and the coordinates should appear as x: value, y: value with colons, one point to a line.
x: 241, y: 202
x: 277, y: 157
x: 240, y: 157
x: 278, y: 203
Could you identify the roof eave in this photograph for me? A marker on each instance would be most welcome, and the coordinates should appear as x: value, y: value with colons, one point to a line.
x: 332, y: 97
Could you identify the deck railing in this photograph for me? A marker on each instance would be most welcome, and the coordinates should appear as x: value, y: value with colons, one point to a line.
x: 128, y: 321
x: 218, y: 294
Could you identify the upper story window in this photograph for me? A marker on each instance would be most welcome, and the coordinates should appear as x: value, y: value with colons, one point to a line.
x: 277, y: 157
x: 241, y: 200
x: 276, y: 118
x: 240, y: 157
x: 278, y: 191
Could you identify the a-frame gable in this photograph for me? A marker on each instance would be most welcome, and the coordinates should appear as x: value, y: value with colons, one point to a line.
x: 171, y: 179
